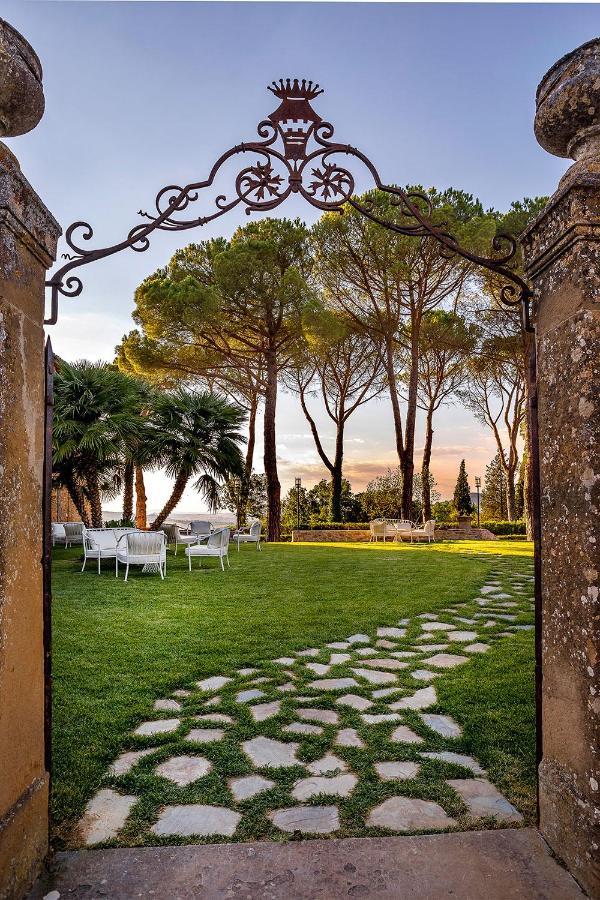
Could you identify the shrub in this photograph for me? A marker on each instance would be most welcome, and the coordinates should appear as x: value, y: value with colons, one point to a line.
x: 505, y: 528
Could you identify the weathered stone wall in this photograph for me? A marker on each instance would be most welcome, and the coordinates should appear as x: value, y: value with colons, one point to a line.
x: 28, y: 236
x: 361, y: 535
x: 562, y: 252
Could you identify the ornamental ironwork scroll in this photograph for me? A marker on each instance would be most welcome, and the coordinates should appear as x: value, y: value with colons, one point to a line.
x: 295, y: 155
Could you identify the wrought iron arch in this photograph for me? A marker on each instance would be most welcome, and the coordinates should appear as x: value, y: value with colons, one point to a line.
x: 296, y: 155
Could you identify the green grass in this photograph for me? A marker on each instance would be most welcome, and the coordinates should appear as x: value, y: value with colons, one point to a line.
x: 117, y: 647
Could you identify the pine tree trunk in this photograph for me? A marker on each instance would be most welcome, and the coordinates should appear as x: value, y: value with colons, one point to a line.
x: 178, y: 489
x: 425, y: 476
x: 245, y: 486
x: 396, y: 413
x: 128, y: 492
x: 408, y: 466
x: 510, y: 495
x: 336, y: 475
x: 140, y: 499
x: 270, y: 451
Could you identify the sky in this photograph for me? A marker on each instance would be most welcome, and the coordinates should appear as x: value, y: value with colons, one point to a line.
x: 141, y: 95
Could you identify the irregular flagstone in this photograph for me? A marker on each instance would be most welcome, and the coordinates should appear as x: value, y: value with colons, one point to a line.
x: 205, y: 735
x: 488, y: 589
x: 421, y: 699
x: 405, y: 735
x: 325, y: 716
x: 444, y: 725
x: 379, y: 718
x: 408, y: 814
x: 365, y: 651
x: 167, y: 705
x: 318, y: 668
x: 182, y: 692
x: 339, y: 785
x: 483, y: 799
x: 159, y: 726
x: 285, y: 661
x: 183, y: 770
x: 423, y: 674
x: 328, y: 765
x: 386, y: 692
x: 196, y: 818
x: 126, y: 761
x: 391, y: 632
x: 458, y: 759
x: 338, y: 659
x: 338, y: 645
x: 375, y: 677
x: 432, y: 648
x: 302, y: 728
x: 213, y: 683
x: 249, y: 786
x: 332, y: 684
x: 307, y: 819
x: 403, y: 654
x: 251, y: 694
x: 356, y: 702
x: 348, y: 737
x: 476, y: 648
x: 260, y: 680
x: 359, y: 639
x: 312, y: 651
x: 385, y: 644
x: 436, y: 626
x: 215, y: 718
x: 465, y: 621
x: 264, y: 751
x: 431, y: 616
x: 502, y: 596
x: 489, y: 624
x: 446, y: 660
x: 462, y: 635
x: 246, y: 672
x: 286, y: 688
x: 397, y: 771
x: 263, y: 711
x: 394, y: 664
x: 104, y: 816
x: 481, y: 602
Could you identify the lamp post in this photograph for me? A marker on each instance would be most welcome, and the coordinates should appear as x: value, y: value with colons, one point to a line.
x: 298, y: 486
x: 478, y: 486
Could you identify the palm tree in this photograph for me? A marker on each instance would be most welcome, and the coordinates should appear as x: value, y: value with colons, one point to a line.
x: 96, y: 417
x: 196, y: 434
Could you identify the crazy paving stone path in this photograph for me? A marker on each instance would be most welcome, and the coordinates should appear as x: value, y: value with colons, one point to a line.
x: 342, y: 739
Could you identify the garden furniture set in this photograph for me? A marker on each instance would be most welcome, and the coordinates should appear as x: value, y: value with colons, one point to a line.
x: 398, y: 529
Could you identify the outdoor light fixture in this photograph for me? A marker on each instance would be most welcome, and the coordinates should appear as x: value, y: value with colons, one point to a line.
x: 478, y: 486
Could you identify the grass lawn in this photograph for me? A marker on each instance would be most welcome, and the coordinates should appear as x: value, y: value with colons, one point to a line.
x: 118, y: 647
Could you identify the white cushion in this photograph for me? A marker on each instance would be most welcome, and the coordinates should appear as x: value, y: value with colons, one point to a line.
x: 102, y: 540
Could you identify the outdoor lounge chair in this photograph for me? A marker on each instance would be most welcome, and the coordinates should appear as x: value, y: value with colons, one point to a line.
x: 248, y: 536
x: 174, y: 536
x: 73, y: 533
x: 142, y: 548
x: 377, y: 529
x: 215, y: 544
x: 199, y: 526
x: 427, y: 531
x: 58, y: 534
x: 99, y: 544
x: 402, y: 528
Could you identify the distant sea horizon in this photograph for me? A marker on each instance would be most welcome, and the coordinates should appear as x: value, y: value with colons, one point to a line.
x: 223, y: 517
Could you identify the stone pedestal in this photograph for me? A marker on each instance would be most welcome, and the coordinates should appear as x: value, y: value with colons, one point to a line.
x: 28, y: 236
x: 562, y: 254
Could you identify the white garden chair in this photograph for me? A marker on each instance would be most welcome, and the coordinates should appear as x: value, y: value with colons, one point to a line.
x: 402, y: 528
x: 142, y: 548
x: 248, y: 536
x: 99, y: 544
x: 58, y: 534
x: 215, y: 544
x: 200, y: 527
x: 377, y: 529
x: 427, y: 532
x: 174, y: 536
x: 73, y: 533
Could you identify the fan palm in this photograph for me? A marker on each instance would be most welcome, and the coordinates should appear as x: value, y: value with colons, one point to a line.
x: 96, y: 419
x: 196, y: 434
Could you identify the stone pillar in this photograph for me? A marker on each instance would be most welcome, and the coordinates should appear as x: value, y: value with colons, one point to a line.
x: 562, y: 255
x: 28, y: 236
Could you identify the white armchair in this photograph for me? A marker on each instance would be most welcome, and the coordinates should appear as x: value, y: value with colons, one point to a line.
x: 377, y: 529
x: 142, y: 548
x: 215, y: 544
x: 73, y: 533
x: 402, y: 528
x: 248, y: 536
x: 427, y: 532
x: 99, y: 544
x: 58, y: 533
x: 174, y: 536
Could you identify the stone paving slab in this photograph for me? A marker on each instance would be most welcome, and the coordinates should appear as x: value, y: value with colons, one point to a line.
x: 104, y: 816
x: 505, y: 864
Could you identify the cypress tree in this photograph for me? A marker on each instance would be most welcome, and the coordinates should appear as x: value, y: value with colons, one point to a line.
x: 494, y: 495
x: 462, y: 493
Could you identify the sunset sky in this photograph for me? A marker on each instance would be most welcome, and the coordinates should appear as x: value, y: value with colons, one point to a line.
x: 140, y: 95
